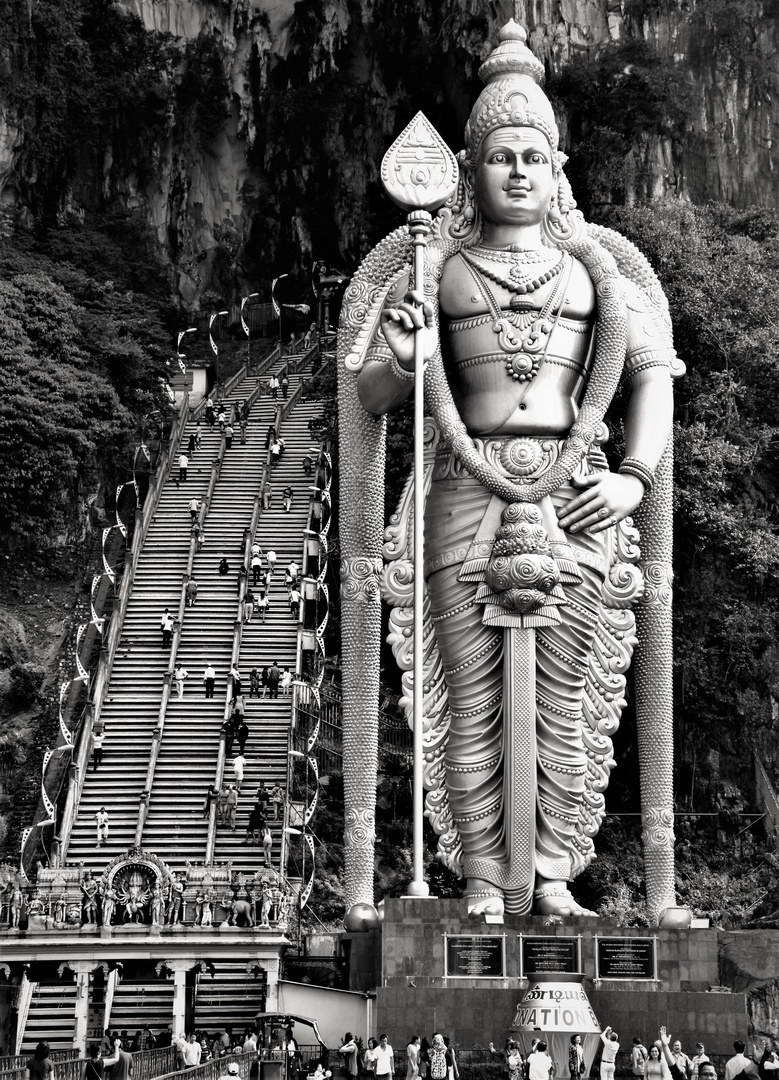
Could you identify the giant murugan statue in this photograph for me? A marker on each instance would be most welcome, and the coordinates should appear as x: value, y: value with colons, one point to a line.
x: 532, y: 320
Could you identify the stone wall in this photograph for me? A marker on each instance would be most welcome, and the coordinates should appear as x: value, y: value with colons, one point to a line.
x: 415, y: 996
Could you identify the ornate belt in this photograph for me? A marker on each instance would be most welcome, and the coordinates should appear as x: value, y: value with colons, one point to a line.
x: 524, y: 458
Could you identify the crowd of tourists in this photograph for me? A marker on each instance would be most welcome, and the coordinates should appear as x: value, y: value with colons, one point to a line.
x: 433, y: 1058
x: 664, y: 1059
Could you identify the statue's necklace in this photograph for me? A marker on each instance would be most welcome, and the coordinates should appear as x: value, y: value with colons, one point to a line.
x: 523, y: 333
x: 518, y: 281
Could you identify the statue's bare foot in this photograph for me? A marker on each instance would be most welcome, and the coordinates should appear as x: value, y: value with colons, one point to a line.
x: 556, y: 899
x: 483, y: 898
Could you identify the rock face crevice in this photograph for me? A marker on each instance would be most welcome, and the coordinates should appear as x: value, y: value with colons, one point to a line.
x: 275, y: 116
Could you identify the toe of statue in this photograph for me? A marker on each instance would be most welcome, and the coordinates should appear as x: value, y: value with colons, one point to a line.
x: 558, y: 901
x: 485, y: 903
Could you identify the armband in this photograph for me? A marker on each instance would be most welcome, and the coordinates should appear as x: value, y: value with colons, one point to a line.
x: 400, y: 372
x: 633, y: 466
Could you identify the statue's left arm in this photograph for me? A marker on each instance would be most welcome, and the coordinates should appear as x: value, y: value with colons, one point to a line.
x: 647, y: 428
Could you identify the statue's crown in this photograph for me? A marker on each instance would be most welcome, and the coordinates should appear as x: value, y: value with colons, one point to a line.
x: 511, y: 57
x: 512, y: 95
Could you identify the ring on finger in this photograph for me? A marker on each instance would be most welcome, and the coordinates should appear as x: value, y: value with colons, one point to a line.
x: 602, y: 512
x: 612, y: 520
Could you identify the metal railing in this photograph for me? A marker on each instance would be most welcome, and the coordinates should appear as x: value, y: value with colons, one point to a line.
x: 147, y: 1064
x: 106, y: 662
x: 154, y: 753
x: 212, y: 1070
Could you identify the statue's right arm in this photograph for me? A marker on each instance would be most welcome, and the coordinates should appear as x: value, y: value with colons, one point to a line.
x: 387, y: 377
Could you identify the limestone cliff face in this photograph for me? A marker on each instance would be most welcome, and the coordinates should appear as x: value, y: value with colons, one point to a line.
x: 313, y: 92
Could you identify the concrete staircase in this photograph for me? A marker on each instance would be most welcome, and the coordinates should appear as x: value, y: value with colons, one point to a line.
x: 175, y: 828
x: 233, y: 996
x: 50, y: 1017
x: 140, y: 1003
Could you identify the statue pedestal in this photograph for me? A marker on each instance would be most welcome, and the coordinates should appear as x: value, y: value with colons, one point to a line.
x: 428, y: 956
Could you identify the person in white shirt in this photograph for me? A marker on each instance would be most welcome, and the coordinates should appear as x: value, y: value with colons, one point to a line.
x: 770, y: 1062
x: 101, y: 820
x: 271, y: 557
x: 180, y: 1045
x: 539, y: 1064
x: 739, y: 1063
x: 209, y: 678
x: 183, y: 466
x: 180, y: 673
x: 384, y: 1059
x: 239, y: 762
x: 166, y: 627
x: 193, y: 1052
x: 610, y: 1041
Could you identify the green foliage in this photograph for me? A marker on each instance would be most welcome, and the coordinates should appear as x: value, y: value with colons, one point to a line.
x: 714, y: 879
x: 719, y: 270
x: 80, y: 355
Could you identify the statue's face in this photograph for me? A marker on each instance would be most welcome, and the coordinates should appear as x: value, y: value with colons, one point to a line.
x: 514, y: 181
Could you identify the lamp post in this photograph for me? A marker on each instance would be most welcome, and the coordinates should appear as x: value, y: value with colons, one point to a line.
x: 276, y: 307
x: 179, y: 353
x: 247, y: 331
x: 180, y: 356
x: 214, y: 346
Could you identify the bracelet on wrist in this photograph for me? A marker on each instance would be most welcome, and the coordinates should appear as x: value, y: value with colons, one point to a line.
x: 400, y: 372
x: 632, y: 466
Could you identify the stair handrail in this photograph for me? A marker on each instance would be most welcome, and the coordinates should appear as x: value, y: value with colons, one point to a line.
x: 112, y: 979
x: 211, y: 1070
x: 197, y: 411
x: 167, y: 679
x: 236, y: 653
x: 83, y: 739
x: 147, y: 1064
x: 152, y: 1063
x: 222, y: 752
x: 235, y: 378
x: 26, y: 990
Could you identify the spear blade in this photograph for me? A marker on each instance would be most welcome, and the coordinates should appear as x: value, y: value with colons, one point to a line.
x: 419, y: 171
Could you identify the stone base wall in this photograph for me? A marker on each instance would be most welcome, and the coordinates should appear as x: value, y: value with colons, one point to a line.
x: 415, y: 996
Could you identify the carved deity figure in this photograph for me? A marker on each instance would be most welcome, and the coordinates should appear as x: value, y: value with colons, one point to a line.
x: 530, y: 320
x: 134, y: 894
x: 265, y: 904
x: 109, y: 905
x: 157, y: 906
x: 15, y: 905
x: 89, y: 888
x: 175, y: 913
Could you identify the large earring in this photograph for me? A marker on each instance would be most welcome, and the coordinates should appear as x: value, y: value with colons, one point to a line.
x: 460, y: 218
x: 563, y: 224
